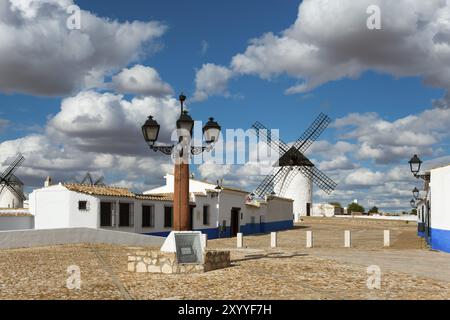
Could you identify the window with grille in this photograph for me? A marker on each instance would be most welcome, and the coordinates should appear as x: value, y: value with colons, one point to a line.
x: 83, y: 206
x: 168, y: 217
x: 106, y: 211
x: 148, y: 216
x: 126, y: 217
x: 206, y: 215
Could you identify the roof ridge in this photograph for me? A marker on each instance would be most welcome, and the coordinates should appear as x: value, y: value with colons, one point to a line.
x: 96, y: 186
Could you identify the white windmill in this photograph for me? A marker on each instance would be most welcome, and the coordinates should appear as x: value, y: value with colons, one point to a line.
x: 285, y: 179
x: 11, y: 187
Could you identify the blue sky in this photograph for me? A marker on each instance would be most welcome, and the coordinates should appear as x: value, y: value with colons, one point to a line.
x: 374, y: 86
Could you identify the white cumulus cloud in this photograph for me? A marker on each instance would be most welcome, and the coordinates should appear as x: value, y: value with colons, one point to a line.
x: 211, y: 80
x: 141, y: 80
x: 39, y: 55
x: 330, y: 41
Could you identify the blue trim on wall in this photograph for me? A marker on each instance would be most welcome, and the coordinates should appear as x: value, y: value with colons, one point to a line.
x: 248, y: 229
x: 440, y: 240
x: 213, y: 233
x: 278, y: 226
x: 421, y: 234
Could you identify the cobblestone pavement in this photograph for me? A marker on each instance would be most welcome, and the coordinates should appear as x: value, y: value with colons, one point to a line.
x: 288, y: 272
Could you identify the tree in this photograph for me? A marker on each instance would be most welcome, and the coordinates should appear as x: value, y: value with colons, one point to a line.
x: 336, y: 204
x: 414, y: 212
x: 374, y: 210
x: 354, y: 207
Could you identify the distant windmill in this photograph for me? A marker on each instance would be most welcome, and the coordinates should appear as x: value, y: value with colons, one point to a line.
x: 89, y: 180
x: 11, y: 188
x: 291, y: 163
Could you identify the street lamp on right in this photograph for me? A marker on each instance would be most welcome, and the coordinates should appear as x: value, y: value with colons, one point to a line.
x: 415, y: 164
x: 416, y: 193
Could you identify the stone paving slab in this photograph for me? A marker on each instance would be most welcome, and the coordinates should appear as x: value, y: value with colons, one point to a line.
x: 257, y: 272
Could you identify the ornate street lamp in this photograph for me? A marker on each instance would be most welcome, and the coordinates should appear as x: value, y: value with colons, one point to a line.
x: 413, y: 204
x: 185, y: 126
x: 150, y: 130
x: 211, y: 131
x: 415, y: 163
x: 416, y: 193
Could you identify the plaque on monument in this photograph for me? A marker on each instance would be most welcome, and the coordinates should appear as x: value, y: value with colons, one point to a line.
x: 189, y: 248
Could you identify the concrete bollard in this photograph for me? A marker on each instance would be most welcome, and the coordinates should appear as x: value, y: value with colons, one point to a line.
x: 240, y: 240
x: 205, y: 240
x: 348, y: 239
x: 273, y: 240
x: 387, y: 238
x: 309, y: 239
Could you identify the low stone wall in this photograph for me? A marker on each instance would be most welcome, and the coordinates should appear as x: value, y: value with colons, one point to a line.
x: 161, y: 262
x: 54, y: 237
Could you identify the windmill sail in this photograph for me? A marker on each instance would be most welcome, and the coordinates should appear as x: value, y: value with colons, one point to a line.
x: 312, y: 133
x: 7, y: 174
x: 89, y: 180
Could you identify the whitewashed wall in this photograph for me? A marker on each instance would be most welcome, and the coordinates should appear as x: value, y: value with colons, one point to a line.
x: 211, y: 200
x: 50, y: 206
x: 323, y: 210
x: 279, y: 210
x: 440, y: 198
x: 229, y: 200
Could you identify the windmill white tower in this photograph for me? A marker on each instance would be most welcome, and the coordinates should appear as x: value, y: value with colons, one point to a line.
x: 285, y: 180
x: 11, y: 188
x: 300, y: 189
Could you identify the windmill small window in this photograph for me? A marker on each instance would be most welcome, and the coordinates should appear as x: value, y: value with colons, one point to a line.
x: 83, y: 205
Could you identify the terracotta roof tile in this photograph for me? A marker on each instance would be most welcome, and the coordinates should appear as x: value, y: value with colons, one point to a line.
x: 110, y: 191
x: 155, y: 197
x: 100, y: 190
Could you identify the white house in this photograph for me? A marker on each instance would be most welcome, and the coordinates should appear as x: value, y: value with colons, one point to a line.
x: 324, y: 210
x: 217, y: 212
x: 434, y: 210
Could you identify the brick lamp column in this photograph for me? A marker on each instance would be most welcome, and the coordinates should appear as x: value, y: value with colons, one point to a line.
x: 181, y: 219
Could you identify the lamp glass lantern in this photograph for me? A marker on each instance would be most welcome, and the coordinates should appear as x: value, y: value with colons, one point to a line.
x: 150, y: 130
x: 416, y: 193
x: 413, y: 203
x: 415, y: 163
x: 211, y: 131
x: 185, y: 124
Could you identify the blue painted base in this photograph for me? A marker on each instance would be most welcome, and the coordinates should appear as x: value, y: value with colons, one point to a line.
x: 248, y: 229
x: 421, y: 226
x: 440, y: 240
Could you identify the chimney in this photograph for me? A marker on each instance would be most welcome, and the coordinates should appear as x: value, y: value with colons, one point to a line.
x: 48, y: 182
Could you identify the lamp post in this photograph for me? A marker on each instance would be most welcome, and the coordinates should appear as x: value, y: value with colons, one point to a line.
x: 413, y: 204
x: 182, y: 152
x: 416, y: 194
x: 415, y: 163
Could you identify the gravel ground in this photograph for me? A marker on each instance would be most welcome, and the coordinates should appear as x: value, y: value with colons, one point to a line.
x: 288, y: 272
